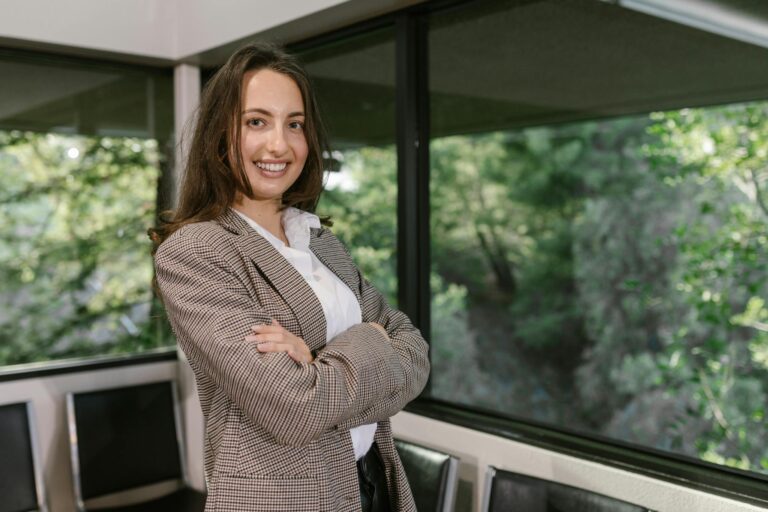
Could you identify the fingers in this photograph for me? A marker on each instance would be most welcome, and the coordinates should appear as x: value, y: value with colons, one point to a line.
x: 270, y: 346
x: 300, y: 355
x: 274, y: 332
x: 273, y: 327
x: 275, y: 338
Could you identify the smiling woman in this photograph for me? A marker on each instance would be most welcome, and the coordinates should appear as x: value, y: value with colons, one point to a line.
x: 273, y: 148
x: 299, y: 361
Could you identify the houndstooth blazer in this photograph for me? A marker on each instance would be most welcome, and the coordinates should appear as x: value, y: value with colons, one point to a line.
x: 277, y: 431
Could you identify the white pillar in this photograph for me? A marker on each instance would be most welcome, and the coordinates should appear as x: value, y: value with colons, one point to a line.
x: 186, y: 97
x: 186, y: 88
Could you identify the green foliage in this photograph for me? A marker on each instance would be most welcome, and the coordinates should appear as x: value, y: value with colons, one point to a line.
x: 74, y: 259
x: 615, y: 276
x: 362, y: 204
x: 721, y: 274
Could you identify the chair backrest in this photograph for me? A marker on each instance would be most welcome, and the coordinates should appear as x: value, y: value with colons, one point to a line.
x: 124, y: 438
x: 433, y: 476
x: 512, y: 492
x: 21, y: 486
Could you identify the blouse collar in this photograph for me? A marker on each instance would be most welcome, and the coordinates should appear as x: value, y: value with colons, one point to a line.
x: 296, y: 223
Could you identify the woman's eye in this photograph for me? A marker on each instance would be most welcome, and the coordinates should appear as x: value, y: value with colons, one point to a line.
x: 255, y: 122
x: 296, y: 125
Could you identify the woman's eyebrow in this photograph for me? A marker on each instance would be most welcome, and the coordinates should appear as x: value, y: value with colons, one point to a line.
x: 268, y: 113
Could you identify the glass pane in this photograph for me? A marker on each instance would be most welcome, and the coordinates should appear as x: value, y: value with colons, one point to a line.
x: 82, y: 148
x: 598, y: 199
x: 355, y: 83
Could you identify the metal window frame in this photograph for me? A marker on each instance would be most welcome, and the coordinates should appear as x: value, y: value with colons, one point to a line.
x: 86, y: 364
x: 412, y: 131
x: 73, y: 439
x: 452, y: 487
x: 42, y: 503
x: 490, y: 474
x: 74, y: 459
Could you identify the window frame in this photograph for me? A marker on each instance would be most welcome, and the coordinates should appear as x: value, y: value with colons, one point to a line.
x: 86, y: 364
x: 154, y: 68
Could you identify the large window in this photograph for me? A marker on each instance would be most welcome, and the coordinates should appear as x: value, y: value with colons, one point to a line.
x: 599, y: 205
x: 355, y: 83
x: 83, y: 147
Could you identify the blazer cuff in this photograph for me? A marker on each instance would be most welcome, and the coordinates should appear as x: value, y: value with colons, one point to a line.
x: 370, y: 359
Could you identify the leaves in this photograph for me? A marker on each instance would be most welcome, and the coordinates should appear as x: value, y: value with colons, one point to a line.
x: 622, y: 266
x: 74, y: 261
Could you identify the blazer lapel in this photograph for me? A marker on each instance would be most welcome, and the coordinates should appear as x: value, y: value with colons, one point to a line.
x: 329, y: 250
x: 283, y: 278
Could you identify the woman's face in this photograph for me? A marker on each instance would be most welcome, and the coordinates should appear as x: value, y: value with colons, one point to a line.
x: 272, y: 142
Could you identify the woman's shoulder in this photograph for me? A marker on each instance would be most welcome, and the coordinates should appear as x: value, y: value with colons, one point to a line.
x: 204, y: 235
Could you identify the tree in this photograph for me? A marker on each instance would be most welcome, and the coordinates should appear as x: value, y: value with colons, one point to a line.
x: 74, y: 257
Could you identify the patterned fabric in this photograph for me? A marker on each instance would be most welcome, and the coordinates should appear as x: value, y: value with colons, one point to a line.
x: 277, y: 431
x: 340, y: 306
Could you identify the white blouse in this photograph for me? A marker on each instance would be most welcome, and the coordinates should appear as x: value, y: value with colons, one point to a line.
x: 340, y: 305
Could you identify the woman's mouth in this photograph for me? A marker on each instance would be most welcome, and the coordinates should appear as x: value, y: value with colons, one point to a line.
x: 272, y: 167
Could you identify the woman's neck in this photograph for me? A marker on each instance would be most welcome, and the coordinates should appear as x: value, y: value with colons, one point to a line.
x: 267, y: 214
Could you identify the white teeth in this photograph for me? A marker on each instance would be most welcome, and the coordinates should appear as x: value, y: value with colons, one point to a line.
x: 271, y: 167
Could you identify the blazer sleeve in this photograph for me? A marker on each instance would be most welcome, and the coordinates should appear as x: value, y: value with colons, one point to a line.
x: 405, y: 341
x: 408, y: 345
x: 211, y: 312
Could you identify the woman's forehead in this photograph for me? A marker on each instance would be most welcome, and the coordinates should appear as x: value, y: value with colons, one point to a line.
x: 269, y: 90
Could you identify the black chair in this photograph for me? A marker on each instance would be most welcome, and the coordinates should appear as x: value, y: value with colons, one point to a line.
x: 433, y: 476
x: 127, y: 438
x: 21, y: 486
x: 512, y: 492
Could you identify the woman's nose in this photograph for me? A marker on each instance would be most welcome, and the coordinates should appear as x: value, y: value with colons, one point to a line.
x: 276, y: 142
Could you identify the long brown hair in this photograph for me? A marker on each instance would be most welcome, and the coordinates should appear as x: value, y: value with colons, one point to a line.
x: 211, y: 179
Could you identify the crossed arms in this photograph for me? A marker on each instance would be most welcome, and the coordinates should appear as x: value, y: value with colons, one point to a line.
x: 361, y: 376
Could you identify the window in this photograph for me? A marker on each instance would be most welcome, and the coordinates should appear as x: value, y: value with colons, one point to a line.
x: 83, y: 147
x: 355, y: 83
x: 598, y: 194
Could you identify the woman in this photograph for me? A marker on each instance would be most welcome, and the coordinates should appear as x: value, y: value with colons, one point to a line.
x: 299, y: 361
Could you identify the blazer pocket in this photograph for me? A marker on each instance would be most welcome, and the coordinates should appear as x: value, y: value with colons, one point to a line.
x: 259, y: 455
x: 239, y: 494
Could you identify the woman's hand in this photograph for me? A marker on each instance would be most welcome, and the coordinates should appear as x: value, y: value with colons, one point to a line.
x: 274, y: 338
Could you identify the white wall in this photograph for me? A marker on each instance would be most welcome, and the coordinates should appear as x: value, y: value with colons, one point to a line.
x: 478, y: 450
x: 135, y: 27
x: 170, y: 30
x: 204, y: 24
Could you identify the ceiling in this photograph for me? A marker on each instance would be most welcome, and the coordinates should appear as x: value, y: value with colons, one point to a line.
x: 506, y: 64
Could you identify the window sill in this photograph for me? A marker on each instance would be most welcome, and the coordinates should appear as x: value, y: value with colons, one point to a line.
x: 47, y: 368
x: 735, y: 484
